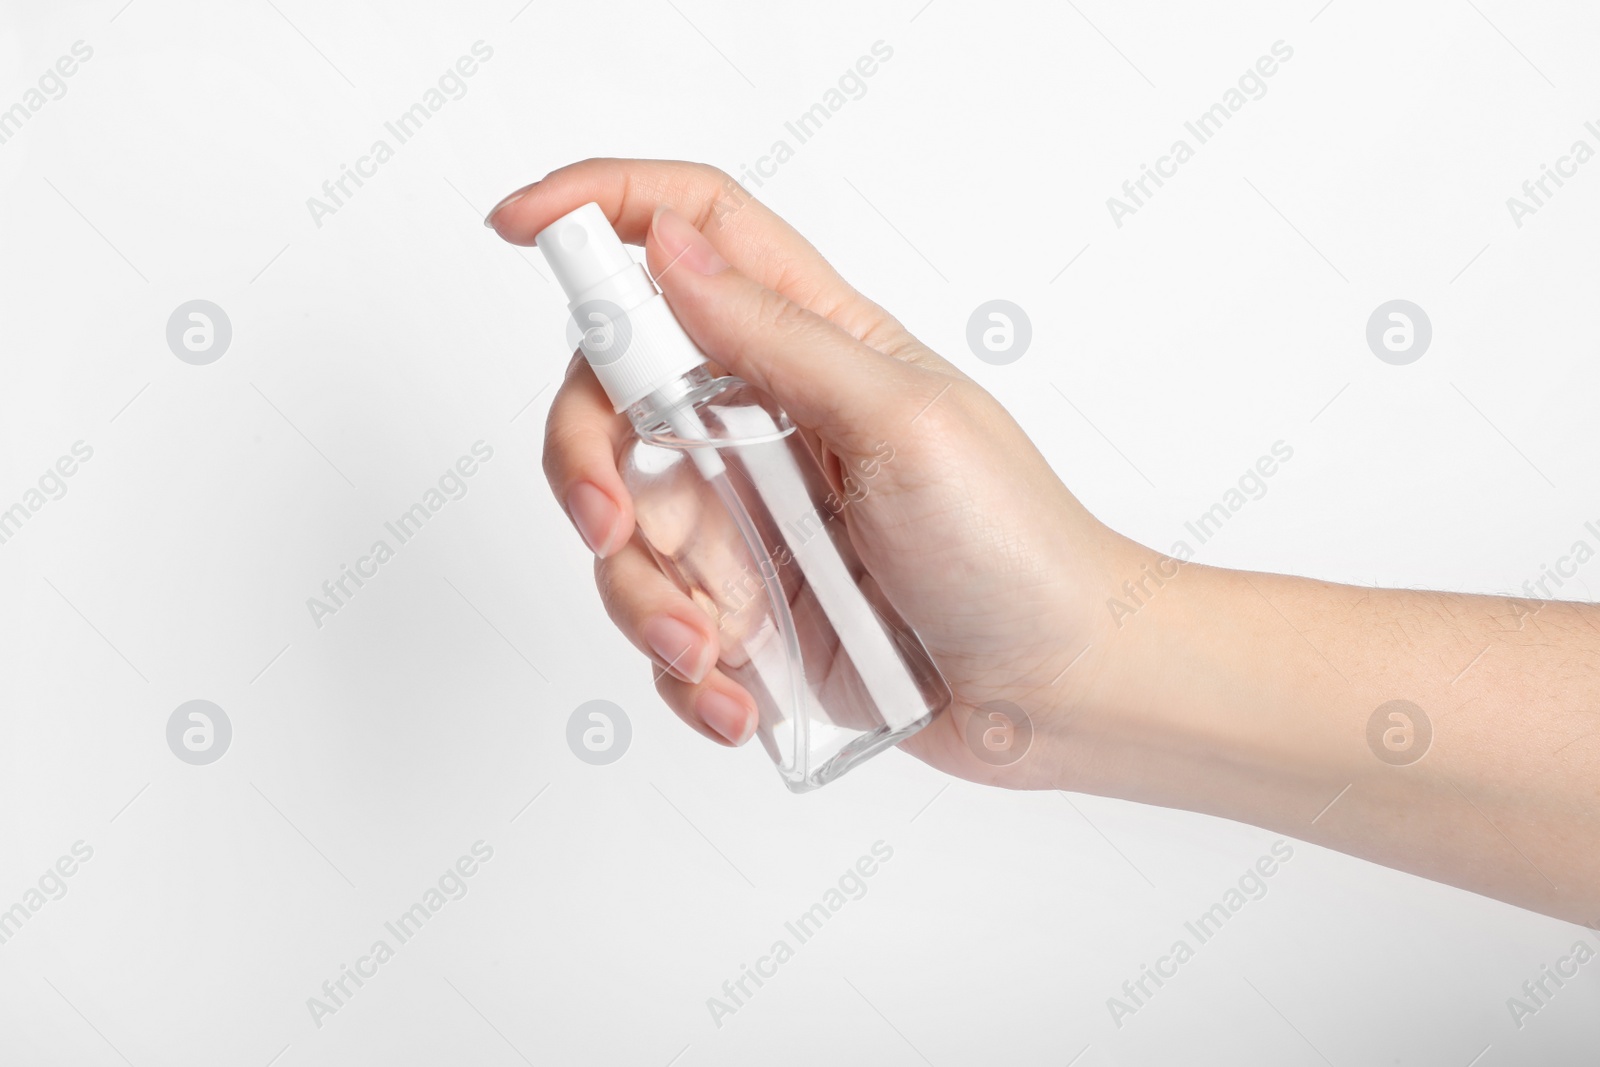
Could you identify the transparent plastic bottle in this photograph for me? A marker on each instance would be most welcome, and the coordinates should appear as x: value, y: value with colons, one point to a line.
x: 736, y: 509
x: 758, y: 544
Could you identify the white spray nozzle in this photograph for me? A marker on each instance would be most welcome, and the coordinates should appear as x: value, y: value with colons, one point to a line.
x: 583, y: 250
x: 627, y: 332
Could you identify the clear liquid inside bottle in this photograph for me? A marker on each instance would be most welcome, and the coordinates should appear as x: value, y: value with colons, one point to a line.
x: 753, y: 533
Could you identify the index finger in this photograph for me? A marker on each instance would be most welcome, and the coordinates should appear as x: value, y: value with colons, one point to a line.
x: 745, y: 231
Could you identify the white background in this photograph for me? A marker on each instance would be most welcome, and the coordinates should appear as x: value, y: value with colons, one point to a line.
x: 371, y: 351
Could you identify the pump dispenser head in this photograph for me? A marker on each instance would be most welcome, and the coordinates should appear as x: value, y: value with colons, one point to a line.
x: 621, y: 320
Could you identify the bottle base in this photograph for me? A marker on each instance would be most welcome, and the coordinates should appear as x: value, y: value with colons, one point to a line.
x: 857, y: 752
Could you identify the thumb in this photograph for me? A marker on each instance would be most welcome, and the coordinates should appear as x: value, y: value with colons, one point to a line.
x: 824, y: 378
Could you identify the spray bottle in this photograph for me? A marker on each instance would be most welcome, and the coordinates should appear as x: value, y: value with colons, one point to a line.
x: 735, y: 508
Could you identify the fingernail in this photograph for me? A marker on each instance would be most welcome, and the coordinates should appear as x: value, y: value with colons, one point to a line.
x: 488, y: 220
x: 684, y: 244
x: 595, y: 516
x: 679, y: 646
x: 725, y: 715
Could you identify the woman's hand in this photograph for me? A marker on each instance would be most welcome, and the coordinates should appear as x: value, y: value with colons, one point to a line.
x: 1262, y: 698
x: 970, y: 534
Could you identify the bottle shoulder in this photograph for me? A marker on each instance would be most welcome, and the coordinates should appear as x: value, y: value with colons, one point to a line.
x: 718, y: 412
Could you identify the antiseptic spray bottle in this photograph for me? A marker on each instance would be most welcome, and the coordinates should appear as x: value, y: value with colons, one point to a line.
x: 735, y: 508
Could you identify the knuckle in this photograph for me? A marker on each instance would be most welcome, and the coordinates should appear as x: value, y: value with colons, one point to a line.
x: 946, y: 406
x: 570, y: 445
x: 710, y: 176
x: 605, y: 582
x: 774, y: 313
x: 555, y: 458
x: 627, y: 591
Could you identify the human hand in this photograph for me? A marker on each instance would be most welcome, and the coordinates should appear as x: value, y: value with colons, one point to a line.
x: 970, y: 534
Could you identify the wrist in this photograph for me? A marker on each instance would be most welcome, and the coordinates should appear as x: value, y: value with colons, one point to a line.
x: 1195, y: 700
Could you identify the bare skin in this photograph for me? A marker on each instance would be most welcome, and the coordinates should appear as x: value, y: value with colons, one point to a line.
x: 1246, y: 696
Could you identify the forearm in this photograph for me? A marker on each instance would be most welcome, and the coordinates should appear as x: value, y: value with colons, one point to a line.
x: 1249, y: 696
